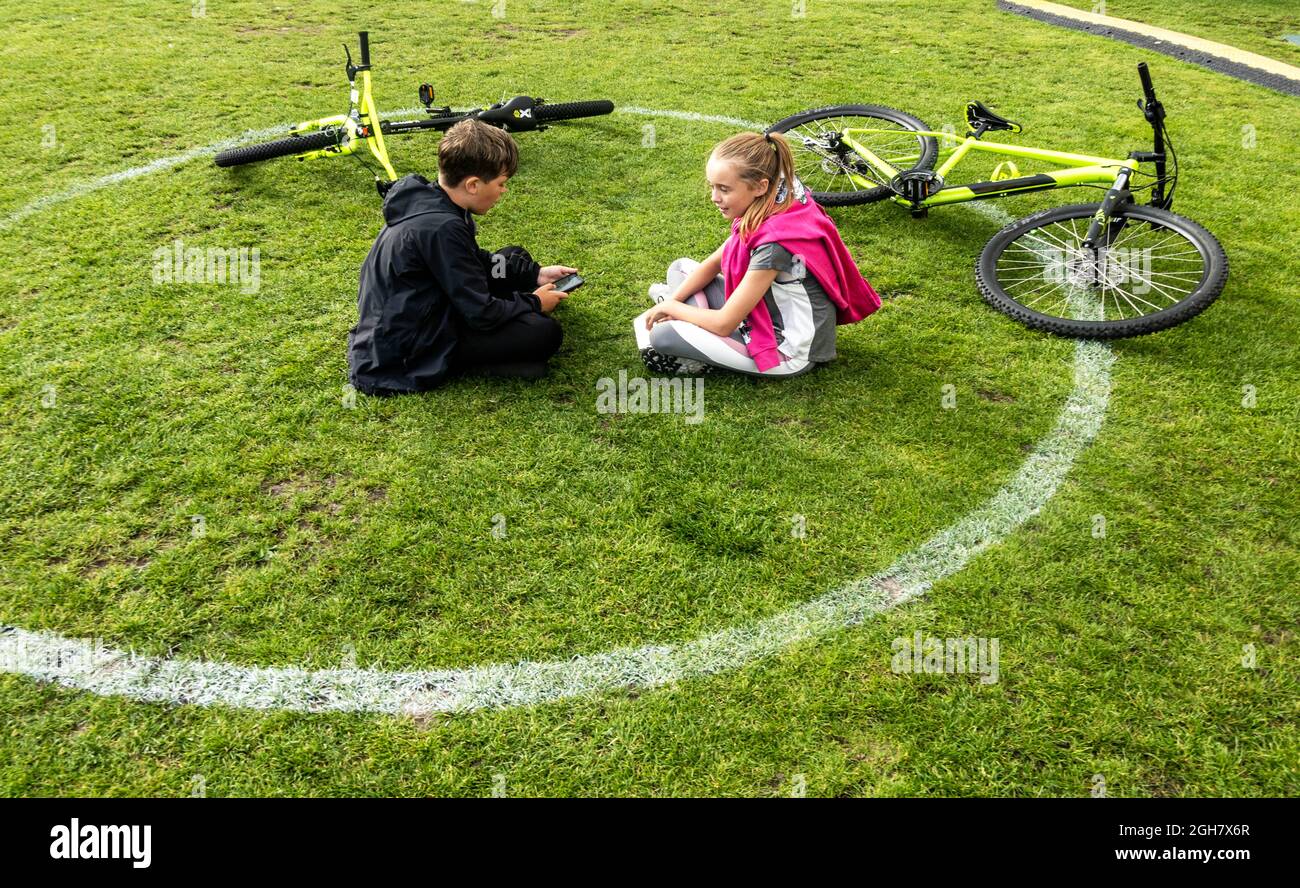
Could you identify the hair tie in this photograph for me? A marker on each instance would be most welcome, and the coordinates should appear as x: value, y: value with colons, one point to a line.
x: 767, y: 137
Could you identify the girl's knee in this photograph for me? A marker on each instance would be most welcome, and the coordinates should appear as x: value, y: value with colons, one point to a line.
x: 681, y: 268
x: 665, y: 339
x: 658, y: 339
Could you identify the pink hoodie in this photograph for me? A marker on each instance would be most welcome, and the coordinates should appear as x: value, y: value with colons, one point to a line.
x: 807, y: 232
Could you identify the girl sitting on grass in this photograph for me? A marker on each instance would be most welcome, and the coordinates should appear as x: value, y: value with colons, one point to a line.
x: 767, y: 301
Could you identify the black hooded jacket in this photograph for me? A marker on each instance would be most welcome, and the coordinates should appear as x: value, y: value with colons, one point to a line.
x: 424, y: 277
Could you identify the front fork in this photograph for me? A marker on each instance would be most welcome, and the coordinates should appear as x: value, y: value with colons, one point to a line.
x: 1103, y: 229
x: 1103, y: 218
x: 371, y: 128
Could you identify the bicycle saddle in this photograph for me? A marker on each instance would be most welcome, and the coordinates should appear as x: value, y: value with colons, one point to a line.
x: 977, y: 115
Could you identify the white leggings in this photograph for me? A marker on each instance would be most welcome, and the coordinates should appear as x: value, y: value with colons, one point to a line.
x: 682, y: 339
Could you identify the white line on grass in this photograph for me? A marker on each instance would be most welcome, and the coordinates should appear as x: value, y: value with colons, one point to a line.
x: 162, y: 163
x: 91, y: 185
x: 87, y: 665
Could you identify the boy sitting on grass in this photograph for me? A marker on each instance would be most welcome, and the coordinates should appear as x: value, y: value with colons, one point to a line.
x: 431, y: 304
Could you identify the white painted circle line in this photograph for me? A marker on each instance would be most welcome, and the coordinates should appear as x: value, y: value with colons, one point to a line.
x: 91, y: 185
x: 85, y: 665
x: 154, y: 166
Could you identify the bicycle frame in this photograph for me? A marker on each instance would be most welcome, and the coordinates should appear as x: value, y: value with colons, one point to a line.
x: 361, y: 124
x: 1081, y: 169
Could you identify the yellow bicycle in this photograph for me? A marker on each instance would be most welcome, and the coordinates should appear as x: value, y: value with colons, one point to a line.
x: 344, y: 134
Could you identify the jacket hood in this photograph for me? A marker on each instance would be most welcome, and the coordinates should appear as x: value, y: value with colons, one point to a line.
x: 414, y: 195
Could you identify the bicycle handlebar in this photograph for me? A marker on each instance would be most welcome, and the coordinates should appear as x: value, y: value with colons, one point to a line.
x: 365, y: 47
x: 1155, y: 115
x: 1147, y: 88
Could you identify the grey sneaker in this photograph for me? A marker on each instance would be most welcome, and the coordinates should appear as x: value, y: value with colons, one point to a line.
x: 660, y: 292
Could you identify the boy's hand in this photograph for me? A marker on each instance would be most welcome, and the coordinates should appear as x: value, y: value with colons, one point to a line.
x: 549, y: 296
x: 549, y: 273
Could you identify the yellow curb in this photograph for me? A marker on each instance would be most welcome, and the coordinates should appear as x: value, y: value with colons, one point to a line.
x: 1222, y: 50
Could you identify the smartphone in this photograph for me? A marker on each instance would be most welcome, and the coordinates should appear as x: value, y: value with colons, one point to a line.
x: 569, y: 283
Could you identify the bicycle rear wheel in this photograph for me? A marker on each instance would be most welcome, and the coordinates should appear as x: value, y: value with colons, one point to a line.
x: 295, y: 144
x: 823, y: 161
x: 1155, y: 269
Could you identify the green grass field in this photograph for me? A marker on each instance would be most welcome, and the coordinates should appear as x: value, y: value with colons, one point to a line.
x: 366, y: 534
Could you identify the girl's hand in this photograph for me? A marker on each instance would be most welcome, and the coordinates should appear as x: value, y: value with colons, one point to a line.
x: 664, y: 311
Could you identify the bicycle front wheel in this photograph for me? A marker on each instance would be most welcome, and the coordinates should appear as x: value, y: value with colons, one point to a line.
x: 1154, y: 269
x: 313, y: 141
x: 823, y: 161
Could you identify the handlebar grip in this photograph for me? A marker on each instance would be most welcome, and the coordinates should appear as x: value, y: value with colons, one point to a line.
x: 573, y: 110
x: 365, y: 47
x: 1146, y: 80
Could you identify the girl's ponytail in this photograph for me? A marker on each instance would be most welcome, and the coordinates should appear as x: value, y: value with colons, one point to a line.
x: 785, y: 159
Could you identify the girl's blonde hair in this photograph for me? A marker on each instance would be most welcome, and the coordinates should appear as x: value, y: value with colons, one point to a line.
x: 755, y: 157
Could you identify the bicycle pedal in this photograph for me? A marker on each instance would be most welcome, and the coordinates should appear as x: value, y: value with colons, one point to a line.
x: 916, y: 185
x: 426, y: 94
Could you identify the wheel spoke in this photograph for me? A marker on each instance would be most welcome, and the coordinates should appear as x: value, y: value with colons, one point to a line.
x: 1147, y: 268
x: 829, y: 167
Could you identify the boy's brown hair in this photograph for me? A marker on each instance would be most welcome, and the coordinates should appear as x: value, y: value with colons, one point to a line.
x: 471, y: 148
